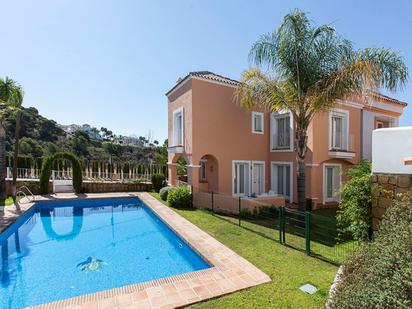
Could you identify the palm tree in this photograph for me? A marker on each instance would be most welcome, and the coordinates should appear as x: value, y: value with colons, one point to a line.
x: 11, y: 98
x: 307, y: 69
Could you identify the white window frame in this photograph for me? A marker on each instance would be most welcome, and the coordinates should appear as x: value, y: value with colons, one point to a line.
x: 233, y: 177
x: 336, y: 198
x: 203, y: 167
x: 176, y: 111
x: 345, y: 139
x: 291, y: 176
x: 262, y: 117
x: 273, y: 131
x: 264, y: 174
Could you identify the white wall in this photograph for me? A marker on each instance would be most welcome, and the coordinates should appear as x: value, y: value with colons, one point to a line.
x: 389, y: 149
x: 368, y: 119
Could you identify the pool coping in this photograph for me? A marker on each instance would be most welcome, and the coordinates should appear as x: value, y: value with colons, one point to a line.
x: 228, y: 273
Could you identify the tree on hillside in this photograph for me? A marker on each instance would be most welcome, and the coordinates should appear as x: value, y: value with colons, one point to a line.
x: 308, y: 69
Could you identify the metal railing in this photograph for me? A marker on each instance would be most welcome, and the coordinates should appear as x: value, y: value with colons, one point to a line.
x: 21, y: 192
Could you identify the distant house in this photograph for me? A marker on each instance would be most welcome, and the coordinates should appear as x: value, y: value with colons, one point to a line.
x: 92, y: 132
x: 234, y: 151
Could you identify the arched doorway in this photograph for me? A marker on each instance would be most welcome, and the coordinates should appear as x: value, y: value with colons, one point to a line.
x: 177, y: 169
x: 46, y: 170
x: 209, y: 173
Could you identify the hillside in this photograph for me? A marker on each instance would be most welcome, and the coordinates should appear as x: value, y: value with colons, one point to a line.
x: 41, y: 136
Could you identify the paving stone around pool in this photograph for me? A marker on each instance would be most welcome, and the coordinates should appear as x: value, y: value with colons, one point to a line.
x: 229, y: 272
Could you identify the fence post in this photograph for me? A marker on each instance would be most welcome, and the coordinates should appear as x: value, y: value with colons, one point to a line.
x: 280, y: 223
x: 239, y: 211
x: 283, y: 225
x: 213, y: 211
x: 307, y: 232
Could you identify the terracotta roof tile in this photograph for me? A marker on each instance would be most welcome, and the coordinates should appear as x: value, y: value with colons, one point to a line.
x: 206, y: 75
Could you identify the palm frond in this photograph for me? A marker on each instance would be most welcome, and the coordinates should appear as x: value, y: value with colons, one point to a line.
x: 11, y: 93
x: 391, y: 71
x: 263, y: 91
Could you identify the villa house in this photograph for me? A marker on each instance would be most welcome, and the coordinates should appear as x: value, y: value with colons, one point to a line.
x: 234, y: 151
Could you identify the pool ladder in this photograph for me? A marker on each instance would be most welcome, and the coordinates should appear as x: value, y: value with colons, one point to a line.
x: 21, y: 192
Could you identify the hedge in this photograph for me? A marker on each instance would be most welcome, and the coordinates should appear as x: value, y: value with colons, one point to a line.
x: 158, y: 181
x: 379, y: 274
x: 46, y: 171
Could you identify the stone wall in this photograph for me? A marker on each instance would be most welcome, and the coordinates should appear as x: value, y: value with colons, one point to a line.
x: 387, y: 187
x: 89, y: 187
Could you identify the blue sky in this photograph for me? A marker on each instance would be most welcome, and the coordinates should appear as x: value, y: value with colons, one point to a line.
x: 109, y: 63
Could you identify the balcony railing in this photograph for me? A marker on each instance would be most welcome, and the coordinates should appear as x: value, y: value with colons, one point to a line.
x: 175, y: 149
x: 346, y: 150
x: 281, y: 141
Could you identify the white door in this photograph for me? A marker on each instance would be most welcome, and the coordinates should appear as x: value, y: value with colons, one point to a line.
x: 258, y: 179
x: 281, y: 179
x: 332, y: 183
x: 241, y: 178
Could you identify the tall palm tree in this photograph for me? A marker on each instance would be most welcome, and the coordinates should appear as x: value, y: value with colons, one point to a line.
x: 307, y: 69
x: 11, y: 98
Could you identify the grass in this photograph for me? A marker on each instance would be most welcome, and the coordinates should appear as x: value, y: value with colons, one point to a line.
x: 288, y: 268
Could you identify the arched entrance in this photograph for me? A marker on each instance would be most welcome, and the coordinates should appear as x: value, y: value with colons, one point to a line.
x: 209, y: 173
x: 177, y: 169
x: 46, y: 171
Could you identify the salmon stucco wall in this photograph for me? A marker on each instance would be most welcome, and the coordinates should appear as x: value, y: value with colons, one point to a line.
x: 223, y: 129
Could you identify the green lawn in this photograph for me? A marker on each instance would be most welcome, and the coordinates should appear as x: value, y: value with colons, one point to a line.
x: 287, y: 267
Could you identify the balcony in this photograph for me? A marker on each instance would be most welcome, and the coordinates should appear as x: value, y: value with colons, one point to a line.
x: 175, y: 149
x: 345, y: 151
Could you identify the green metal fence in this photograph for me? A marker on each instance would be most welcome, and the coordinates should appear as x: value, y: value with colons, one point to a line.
x: 315, y: 234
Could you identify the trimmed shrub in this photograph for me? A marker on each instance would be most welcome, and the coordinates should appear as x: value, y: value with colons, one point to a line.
x: 379, y: 274
x: 354, y: 213
x: 164, y: 192
x: 179, y: 197
x: 46, y: 168
x: 158, y: 181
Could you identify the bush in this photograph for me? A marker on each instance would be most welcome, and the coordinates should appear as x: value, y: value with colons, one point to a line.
x: 158, y: 181
x: 379, y: 274
x: 354, y: 213
x: 164, y: 192
x: 179, y: 197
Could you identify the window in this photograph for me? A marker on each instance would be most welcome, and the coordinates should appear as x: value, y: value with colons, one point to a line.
x: 281, y: 127
x: 240, y: 177
x: 338, y: 130
x: 257, y: 122
x: 381, y: 124
x: 332, y: 180
x: 281, y: 180
x: 178, y: 127
x: 202, y: 174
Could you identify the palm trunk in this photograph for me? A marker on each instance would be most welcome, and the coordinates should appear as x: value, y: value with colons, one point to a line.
x: 3, y: 169
x: 15, y: 158
x: 301, y: 139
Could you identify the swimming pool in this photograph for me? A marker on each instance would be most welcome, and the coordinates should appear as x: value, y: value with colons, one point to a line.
x: 64, y: 249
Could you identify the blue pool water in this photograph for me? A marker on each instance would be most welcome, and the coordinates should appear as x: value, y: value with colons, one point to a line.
x: 65, y: 249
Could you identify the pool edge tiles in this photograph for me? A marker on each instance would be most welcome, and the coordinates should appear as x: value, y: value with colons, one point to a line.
x: 228, y: 273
